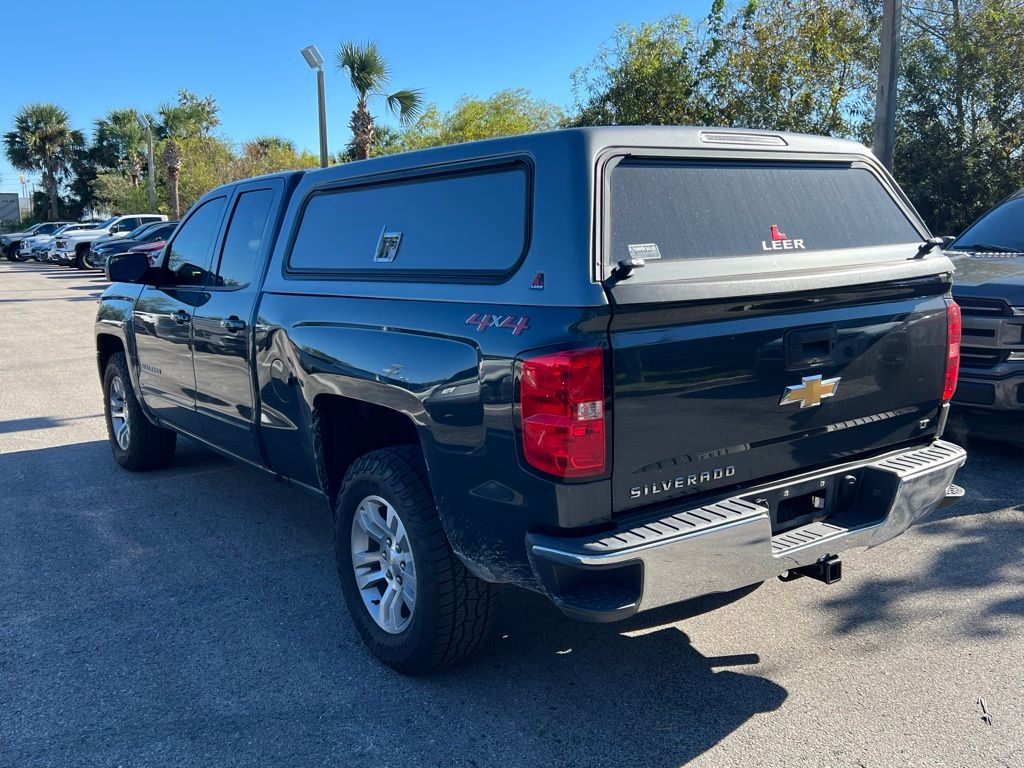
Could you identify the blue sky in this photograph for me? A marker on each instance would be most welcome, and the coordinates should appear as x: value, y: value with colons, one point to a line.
x: 247, y: 55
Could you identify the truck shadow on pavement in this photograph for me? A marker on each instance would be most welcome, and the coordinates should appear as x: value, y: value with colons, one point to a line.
x: 40, y: 422
x: 980, y: 548
x: 192, y: 615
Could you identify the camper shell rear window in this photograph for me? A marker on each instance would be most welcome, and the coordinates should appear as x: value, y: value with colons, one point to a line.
x: 669, y: 210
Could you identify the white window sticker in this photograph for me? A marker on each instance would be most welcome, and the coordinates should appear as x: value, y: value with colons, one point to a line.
x: 644, y: 251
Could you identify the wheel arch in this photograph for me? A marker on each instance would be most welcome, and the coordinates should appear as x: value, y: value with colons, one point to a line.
x: 345, y: 428
x: 107, y: 345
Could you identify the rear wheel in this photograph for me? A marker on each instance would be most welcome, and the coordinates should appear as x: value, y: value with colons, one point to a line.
x: 137, y: 443
x: 413, y: 602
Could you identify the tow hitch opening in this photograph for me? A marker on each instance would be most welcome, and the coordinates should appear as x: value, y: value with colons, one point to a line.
x: 828, y: 570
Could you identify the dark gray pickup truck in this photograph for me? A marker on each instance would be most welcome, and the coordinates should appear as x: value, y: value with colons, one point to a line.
x: 989, y: 287
x: 622, y: 367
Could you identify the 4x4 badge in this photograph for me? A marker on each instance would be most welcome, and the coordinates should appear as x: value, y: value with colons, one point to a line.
x: 482, y: 322
x: 810, y: 392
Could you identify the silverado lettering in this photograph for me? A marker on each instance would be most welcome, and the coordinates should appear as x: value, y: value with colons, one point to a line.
x: 682, y: 481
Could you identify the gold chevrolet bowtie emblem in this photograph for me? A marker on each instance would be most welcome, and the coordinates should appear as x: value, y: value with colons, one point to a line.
x: 810, y: 392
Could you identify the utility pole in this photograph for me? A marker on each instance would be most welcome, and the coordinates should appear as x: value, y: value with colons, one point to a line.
x: 322, y: 108
x: 148, y: 128
x: 888, y: 72
x: 315, y: 61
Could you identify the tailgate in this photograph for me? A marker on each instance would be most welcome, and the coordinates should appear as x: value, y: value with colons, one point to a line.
x: 782, y: 324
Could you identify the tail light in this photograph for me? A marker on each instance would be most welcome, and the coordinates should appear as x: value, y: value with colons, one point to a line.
x: 561, y: 398
x: 952, y: 348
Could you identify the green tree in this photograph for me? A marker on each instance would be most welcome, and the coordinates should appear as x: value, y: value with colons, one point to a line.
x: 270, y: 154
x: 369, y: 74
x: 506, y: 113
x: 803, y: 65
x: 116, y: 193
x: 960, y: 117
x: 190, y: 120
x: 203, y: 162
x: 119, y: 143
x: 43, y: 140
x: 81, y: 187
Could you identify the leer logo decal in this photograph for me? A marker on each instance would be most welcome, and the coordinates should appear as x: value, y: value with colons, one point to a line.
x: 781, y: 242
x: 810, y: 392
x: 483, y: 321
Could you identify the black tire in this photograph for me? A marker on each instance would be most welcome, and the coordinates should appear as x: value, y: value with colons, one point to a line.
x: 80, y: 253
x: 148, y: 446
x: 454, y: 611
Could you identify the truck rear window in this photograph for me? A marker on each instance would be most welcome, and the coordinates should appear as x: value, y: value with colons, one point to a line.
x: 474, y: 222
x: 676, y: 210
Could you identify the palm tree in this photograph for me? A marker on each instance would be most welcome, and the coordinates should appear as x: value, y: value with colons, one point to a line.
x: 43, y: 140
x: 190, y: 118
x: 172, y: 159
x: 368, y: 74
x: 120, y: 142
x: 262, y: 146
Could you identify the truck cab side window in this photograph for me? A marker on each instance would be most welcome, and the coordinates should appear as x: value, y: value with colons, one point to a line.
x: 191, y: 251
x: 242, y: 242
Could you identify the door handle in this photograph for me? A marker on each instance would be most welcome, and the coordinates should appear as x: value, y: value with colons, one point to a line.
x: 807, y: 347
x: 233, y: 324
x: 181, y: 317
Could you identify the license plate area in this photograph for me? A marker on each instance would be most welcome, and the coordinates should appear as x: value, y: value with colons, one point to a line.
x: 836, y: 496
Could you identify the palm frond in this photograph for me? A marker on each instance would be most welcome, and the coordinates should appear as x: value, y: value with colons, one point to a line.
x: 42, y: 139
x: 406, y: 103
x: 366, y: 68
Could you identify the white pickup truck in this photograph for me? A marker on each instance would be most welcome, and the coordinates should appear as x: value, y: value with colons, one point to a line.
x: 73, y: 245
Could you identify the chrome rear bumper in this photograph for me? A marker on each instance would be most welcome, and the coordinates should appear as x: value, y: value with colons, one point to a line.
x: 729, y: 544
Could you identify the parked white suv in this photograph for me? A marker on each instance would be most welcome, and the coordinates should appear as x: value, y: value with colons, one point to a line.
x: 73, y: 245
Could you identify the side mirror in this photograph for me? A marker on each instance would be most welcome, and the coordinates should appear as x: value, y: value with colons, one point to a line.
x: 130, y: 268
x: 947, y: 240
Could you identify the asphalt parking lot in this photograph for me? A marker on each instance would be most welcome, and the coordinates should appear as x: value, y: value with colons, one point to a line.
x: 192, y: 616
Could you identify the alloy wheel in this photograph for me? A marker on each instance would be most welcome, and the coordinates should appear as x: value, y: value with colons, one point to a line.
x: 119, y: 418
x: 383, y: 563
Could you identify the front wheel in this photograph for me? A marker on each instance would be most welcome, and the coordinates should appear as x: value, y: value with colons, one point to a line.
x: 80, y: 257
x: 413, y: 602
x: 136, y: 442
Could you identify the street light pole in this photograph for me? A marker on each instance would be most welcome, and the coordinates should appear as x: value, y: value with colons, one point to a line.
x: 316, y: 61
x: 888, y: 72
x: 143, y: 123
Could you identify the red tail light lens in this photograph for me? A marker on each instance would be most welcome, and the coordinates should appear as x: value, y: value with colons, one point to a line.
x: 561, y: 398
x: 952, y: 349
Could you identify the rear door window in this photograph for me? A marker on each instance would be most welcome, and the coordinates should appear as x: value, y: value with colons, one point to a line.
x: 473, y: 222
x: 673, y: 211
x: 244, y: 237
